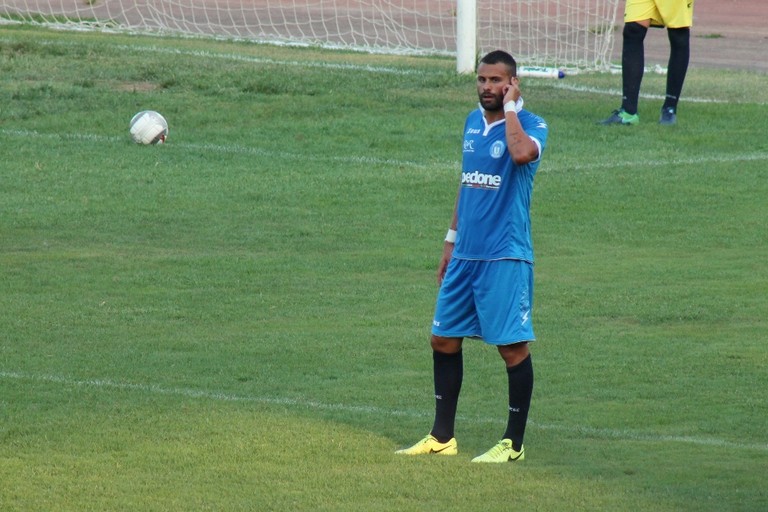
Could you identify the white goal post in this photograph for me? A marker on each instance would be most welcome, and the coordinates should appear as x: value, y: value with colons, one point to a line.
x: 560, y: 33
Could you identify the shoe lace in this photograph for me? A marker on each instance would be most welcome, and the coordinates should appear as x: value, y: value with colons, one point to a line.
x: 500, y: 448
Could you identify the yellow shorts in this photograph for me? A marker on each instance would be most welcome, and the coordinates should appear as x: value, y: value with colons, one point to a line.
x: 662, y: 13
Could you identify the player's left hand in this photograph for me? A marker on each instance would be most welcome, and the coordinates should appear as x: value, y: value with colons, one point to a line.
x: 512, y: 91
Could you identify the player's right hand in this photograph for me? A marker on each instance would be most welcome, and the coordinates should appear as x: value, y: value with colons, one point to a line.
x: 444, y: 260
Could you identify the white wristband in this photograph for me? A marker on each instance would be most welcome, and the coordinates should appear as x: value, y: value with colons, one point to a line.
x: 515, y: 107
x: 450, y: 237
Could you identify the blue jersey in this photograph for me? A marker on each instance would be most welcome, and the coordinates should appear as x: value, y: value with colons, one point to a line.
x: 495, y: 196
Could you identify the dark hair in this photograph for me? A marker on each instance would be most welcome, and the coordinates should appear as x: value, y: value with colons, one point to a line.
x: 501, y: 57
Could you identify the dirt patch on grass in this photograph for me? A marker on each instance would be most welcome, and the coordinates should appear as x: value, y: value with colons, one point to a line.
x: 134, y: 86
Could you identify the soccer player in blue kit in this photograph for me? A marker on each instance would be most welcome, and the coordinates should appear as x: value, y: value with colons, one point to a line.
x: 486, y: 270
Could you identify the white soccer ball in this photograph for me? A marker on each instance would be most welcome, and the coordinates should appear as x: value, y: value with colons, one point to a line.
x: 149, y: 127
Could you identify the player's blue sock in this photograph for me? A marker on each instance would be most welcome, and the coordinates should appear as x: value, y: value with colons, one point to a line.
x: 449, y: 373
x: 520, y: 379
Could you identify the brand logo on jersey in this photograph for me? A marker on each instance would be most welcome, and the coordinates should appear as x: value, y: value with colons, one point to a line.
x: 525, y: 308
x: 497, y: 149
x: 478, y: 179
x: 469, y: 146
x: 474, y: 131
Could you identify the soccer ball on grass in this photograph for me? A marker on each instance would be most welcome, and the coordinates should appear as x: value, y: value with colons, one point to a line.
x: 149, y: 127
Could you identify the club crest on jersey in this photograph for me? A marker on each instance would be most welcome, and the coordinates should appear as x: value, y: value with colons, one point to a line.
x: 497, y: 149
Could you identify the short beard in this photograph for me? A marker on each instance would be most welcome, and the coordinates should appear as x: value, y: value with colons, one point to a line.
x: 494, y: 105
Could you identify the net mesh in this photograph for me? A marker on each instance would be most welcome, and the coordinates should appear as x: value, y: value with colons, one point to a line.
x: 566, y: 33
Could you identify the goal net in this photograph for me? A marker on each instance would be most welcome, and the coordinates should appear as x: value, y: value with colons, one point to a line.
x: 563, y: 33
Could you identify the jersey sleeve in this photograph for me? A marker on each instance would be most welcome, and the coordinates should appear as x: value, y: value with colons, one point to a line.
x: 537, y: 129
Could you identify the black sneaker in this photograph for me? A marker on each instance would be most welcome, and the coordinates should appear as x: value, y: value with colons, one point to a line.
x: 668, y: 116
x: 621, y: 117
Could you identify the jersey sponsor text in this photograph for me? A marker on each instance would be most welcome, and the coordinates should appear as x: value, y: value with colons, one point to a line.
x: 478, y: 179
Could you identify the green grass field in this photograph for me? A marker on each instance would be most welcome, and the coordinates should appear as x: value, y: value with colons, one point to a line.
x: 239, y: 319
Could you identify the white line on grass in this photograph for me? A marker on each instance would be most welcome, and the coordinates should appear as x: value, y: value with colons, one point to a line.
x: 617, y: 93
x: 273, y: 62
x: 216, y: 148
x: 390, y: 162
x: 558, y: 84
x: 620, y: 162
x: 240, y: 58
x: 366, y: 409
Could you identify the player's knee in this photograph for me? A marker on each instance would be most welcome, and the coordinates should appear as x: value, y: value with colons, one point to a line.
x: 445, y: 345
x: 679, y: 37
x: 634, y: 31
x: 514, y: 354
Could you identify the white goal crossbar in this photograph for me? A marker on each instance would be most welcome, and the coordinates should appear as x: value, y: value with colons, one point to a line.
x: 562, y: 33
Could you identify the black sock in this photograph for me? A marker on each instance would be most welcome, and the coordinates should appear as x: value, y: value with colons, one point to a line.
x: 449, y: 373
x: 679, y: 54
x: 520, y: 391
x: 632, y: 65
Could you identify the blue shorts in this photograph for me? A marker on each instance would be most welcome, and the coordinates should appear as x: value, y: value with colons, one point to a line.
x: 492, y: 300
